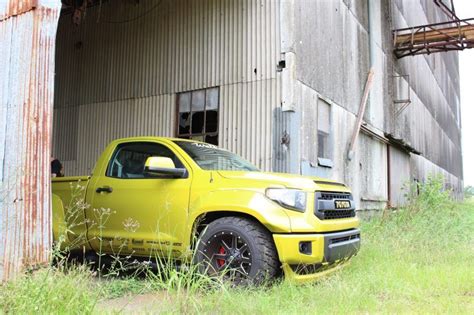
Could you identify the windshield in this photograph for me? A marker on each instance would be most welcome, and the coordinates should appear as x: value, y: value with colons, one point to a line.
x: 211, y: 158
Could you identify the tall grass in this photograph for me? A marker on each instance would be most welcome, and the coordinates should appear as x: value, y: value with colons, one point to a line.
x: 50, y: 291
x: 418, y: 259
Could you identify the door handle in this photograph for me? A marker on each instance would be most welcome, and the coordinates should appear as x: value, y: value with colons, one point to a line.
x: 106, y: 189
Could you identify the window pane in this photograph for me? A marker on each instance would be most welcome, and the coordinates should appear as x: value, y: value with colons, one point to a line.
x: 197, y: 100
x: 198, y: 114
x: 212, y: 98
x: 184, y: 123
x: 198, y: 122
x: 323, y: 145
x: 212, y: 139
x: 211, y: 121
x: 210, y: 157
x: 324, y: 116
x: 184, y: 102
x: 129, y: 159
x: 197, y: 138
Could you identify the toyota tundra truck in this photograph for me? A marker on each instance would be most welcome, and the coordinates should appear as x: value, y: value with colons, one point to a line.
x: 181, y: 199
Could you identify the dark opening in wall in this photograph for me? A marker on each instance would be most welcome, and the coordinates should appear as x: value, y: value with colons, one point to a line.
x: 198, y: 115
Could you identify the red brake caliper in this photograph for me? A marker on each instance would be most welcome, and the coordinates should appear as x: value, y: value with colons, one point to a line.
x: 221, y: 262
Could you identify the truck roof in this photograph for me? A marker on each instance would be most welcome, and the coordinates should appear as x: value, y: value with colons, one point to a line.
x: 141, y: 138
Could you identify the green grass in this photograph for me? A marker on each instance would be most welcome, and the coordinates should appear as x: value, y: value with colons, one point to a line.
x: 49, y: 291
x: 417, y: 260
x: 410, y: 262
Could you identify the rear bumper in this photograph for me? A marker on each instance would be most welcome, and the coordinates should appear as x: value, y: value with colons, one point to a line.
x: 307, y: 257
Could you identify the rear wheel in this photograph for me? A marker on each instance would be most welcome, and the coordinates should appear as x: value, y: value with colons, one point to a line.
x: 239, y: 249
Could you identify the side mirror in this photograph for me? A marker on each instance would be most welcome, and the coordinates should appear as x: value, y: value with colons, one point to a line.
x: 159, y: 165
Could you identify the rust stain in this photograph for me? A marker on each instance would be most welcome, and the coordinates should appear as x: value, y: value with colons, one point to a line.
x: 17, y: 7
x: 25, y: 214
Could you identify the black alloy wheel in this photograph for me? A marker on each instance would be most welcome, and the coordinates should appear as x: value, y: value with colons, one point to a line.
x: 239, y: 249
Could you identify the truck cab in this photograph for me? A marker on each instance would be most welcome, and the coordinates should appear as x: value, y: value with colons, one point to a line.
x: 182, y: 199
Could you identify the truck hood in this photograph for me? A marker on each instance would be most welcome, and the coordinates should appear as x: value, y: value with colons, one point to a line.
x: 287, y: 180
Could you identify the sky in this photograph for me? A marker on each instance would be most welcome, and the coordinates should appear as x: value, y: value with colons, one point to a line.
x: 465, y: 9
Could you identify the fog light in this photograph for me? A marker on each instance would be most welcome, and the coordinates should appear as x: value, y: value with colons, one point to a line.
x: 305, y: 248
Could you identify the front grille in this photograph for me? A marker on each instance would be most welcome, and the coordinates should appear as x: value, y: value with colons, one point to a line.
x: 344, y: 238
x: 332, y: 196
x: 337, y: 214
x: 325, y: 208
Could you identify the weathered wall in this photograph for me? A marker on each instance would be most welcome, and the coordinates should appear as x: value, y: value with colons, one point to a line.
x: 327, y: 46
x: 431, y: 123
x: 328, y: 43
x: 120, y: 79
x: 27, y: 41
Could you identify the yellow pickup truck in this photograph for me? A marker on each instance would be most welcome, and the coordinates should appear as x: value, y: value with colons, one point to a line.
x: 182, y: 199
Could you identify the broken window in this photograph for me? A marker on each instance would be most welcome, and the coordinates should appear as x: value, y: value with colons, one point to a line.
x: 198, y: 115
x: 324, y: 130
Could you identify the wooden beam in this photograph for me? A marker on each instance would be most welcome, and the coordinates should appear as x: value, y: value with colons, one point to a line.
x: 360, y: 115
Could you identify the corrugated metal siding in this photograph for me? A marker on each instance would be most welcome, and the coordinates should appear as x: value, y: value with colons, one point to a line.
x: 86, y: 130
x: 27, y: 44
x: 246, y: 112
x: 111, y: 71
x: 15, y: 7
x: 181, y: 45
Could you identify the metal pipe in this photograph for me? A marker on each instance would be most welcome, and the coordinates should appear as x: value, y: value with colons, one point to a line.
x: 370, y: 16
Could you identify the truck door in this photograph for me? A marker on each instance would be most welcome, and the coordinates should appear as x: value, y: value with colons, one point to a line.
x: 133, y: 212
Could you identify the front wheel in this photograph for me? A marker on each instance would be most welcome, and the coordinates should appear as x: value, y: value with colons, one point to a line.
x: 239, y: 249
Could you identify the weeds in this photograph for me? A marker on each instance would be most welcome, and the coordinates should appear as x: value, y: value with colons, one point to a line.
x: 50, y: 290
x: 413, y: 260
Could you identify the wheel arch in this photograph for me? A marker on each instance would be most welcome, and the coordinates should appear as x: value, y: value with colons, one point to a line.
x: 206, y: 218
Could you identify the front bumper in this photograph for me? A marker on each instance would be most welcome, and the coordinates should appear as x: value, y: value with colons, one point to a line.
x: 307, y: 257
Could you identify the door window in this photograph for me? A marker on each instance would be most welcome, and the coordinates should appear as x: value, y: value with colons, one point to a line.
x: 128, y: 160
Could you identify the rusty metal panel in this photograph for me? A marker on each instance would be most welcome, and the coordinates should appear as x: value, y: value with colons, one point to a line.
x: 122, y: 77
x: 27, y: 44
x: 9, y: 8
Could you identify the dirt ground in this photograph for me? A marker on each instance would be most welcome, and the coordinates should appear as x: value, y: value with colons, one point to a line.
x: 133, y: 304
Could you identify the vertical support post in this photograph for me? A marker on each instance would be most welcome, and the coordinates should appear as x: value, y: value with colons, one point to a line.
x: 389, y: 178
x: 27, y: 48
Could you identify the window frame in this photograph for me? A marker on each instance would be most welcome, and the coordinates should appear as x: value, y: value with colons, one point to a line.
x: 118, y: 147
x: 325, y: 161
x: 204, y: 134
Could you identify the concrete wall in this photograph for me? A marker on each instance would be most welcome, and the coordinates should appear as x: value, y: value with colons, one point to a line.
x: 332, y: 45
x: 431, y: 123
x: 118, y: 76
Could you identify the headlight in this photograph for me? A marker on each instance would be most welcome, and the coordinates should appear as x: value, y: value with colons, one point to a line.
x: 293, y: 199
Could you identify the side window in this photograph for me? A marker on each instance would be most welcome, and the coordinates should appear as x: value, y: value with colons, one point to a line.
x: 128, y: 160
x: 324, y: 130
x: 198, y: 113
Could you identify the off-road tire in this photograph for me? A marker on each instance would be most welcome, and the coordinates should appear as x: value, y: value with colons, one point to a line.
x: 252, y: 236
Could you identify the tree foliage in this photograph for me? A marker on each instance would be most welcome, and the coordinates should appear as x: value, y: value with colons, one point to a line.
x: 468, y: 192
